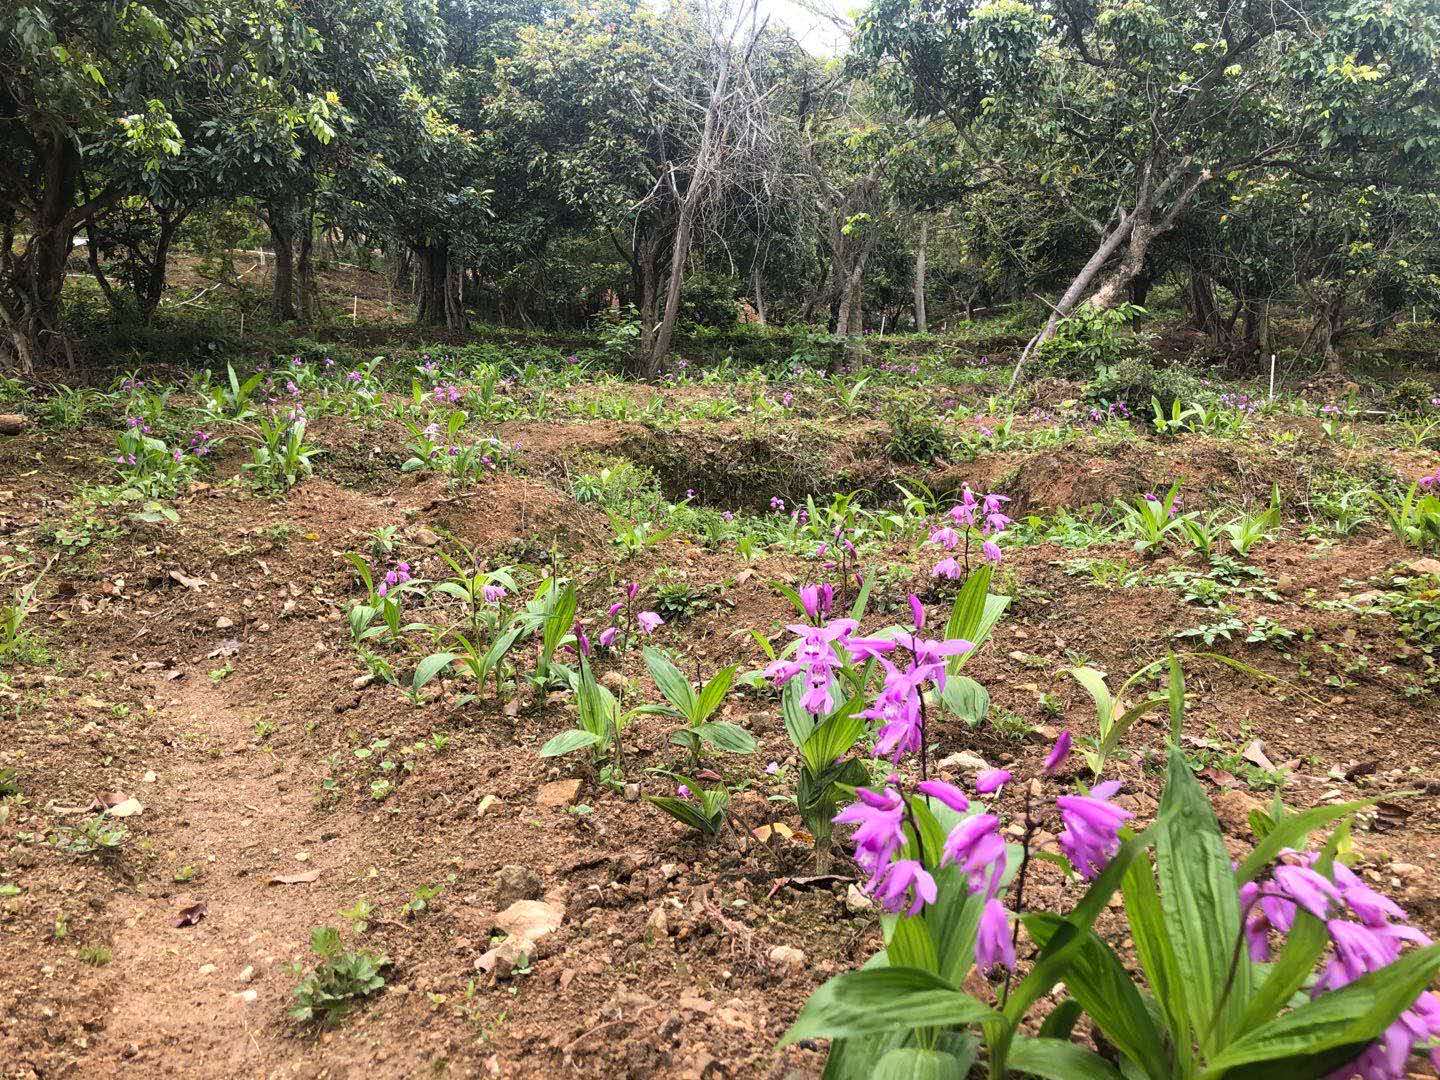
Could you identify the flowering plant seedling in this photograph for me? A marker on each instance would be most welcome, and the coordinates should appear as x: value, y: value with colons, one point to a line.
x: 1415, y: 518
x: 382, y: 600
x: 482, y: 591
x: 282, y: 457
x: 14, y: 613
x: 1202, y: 530
x: 148, y: 465
x: 1151, y: 519
x: 599, y: 721
x: 432, y: 443
x: 703, y: 809
x: 341, y: 978
x: 232, y: 399
x: 826, y: 767
x: 426, y: 671
x: 1114, y: 713
x: 696, y: 708
x: 1247, y: 530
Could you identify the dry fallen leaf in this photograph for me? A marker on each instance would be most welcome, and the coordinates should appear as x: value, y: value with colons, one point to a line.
x: 303, y: 878
x: 188, y: 581
x: 128, y: 808
x: 1255, y: 755
x: 191, y: 915
x: 228, y: 647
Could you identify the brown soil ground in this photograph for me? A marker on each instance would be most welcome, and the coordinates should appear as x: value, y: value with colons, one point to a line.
x: 224, y: 697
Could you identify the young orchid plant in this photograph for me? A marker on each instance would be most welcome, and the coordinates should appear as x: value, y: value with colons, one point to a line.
x: 1217, y: 999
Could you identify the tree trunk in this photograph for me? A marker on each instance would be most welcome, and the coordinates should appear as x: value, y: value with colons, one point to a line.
x: 920, y: 323
x: 1113, y: 289
x: 1331, y: 316
x: 848, y: 320
x: 1203, y: 313
x: 439, y: 302
x: 1135, y: 230
x: 679, y: 253
x: 647, y: 299
x: 31, y: 282
x: 1140, y: 287
x: 282, y: 238
x: 305, y: 269
x: 153, y: 287
x: 759, y: 296
x: 404, y: 267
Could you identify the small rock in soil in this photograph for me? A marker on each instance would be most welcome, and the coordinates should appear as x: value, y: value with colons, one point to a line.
x: 516, y: 883
x: 788, y: 957
x: 965, y: 762
x: 558, y: 793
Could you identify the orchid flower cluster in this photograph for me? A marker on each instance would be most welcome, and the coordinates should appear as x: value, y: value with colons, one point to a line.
x: 1213, y: 1010
x: 1367, y: 931
x: 624, y: 618
x: 397, y: 575
x: 1090, y: 837
x: 974, y: 517
x: 901, y: 883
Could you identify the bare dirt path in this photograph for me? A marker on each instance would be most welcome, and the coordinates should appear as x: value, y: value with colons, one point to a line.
x: 207, y: 999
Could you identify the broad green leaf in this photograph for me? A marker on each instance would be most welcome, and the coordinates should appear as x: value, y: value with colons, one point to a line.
x: 686, y: 811
x: 1354, y: 1014
x: 1199, y: 897
x: 1099, y: 982
x: 969, y: 607
x: 728, y: 737
x: 1153, y: 946
x: 1126, y: 720
x: 567, y: 742
x: 431, y: 666
x: 714, y: 692
x: 834, y: 738
x: 672, y: 683
x: 967, y: 699
x: 884, y: 999
x: 1069, y: 937
x: 559, y: 619
x: 799, y: 724
x: 908, y: 943
x: 1058, y: 1059
x: 862, y: 599
x: 913, y: 1063
x: 1062, y: 1020
x: 1094, y: 683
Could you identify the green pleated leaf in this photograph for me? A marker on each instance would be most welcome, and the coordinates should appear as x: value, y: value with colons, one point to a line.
x: 567, y: 742
x: 1102, y: 987
x: 672, y: 683
x: 728, y: 737
x: 882, y: 999
x: 1200, y: 899
x: 1056, y: 1059
x: 1354, y: 1014
x: 912, y: 1063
